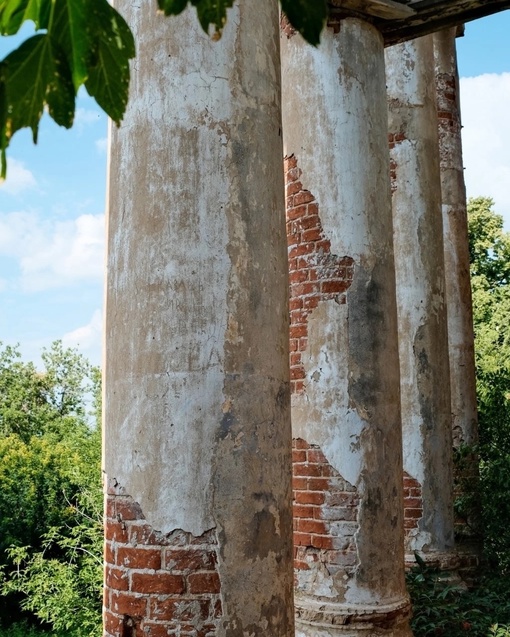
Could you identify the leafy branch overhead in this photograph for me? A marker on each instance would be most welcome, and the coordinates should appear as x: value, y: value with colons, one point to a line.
x: 87, y: 42
x: 77, y: 42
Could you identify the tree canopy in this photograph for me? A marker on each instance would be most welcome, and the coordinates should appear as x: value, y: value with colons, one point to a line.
x: 489, y: 247
x: 50, y: 493
x: 87, y: 42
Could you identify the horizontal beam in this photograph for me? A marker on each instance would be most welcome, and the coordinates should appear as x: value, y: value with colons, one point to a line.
x: 401, y: 21
x: 384, y: 9
x: 434, y: 15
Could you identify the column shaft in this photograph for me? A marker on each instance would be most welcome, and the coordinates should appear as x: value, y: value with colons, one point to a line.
x: 344, y: 357
x: 197, y: 448
x: 458, y: 285
x: 419, y: 263
x: 458, y: 297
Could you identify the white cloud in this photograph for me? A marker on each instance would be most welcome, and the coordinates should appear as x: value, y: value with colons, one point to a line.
x: 88, y: 337
x: 485, y: 102
x: 18, y: 179
x: 53, y: 253
x: 85, y: 116
x: 101, y: 145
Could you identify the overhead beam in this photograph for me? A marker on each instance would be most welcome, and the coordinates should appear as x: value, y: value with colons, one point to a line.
x: 432, y: 16
x: 399, y: 21
x: 383, y: 9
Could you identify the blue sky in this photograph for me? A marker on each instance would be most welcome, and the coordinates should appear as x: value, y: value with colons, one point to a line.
x: 52, y: 204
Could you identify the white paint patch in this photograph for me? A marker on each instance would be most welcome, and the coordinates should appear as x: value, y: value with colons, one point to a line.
x: 349, y: 181
x: 321, y: 415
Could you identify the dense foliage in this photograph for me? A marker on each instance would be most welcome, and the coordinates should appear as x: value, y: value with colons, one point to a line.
x: 490, y: 275
x: 87, y: 42
x: 50, y: 495
x: 440, y: 608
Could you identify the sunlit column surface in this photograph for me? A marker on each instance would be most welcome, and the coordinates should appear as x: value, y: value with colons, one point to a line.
x: 344, y: 356
x: 419, y: 263
x: 197, y: 414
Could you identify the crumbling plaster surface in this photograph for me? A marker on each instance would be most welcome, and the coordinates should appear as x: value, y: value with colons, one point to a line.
x: 419, y: 262
x: 335, y: 123
x: 196, y: 378
x: 458, y: 284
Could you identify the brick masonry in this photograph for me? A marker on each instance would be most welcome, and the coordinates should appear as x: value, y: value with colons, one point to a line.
x: 325, y: 505
x: 393, y: 140
x: 447, y: 106
x: 325, y: 512
x: 413, y: 504
x: 157, y: 585
x: 315, y: 274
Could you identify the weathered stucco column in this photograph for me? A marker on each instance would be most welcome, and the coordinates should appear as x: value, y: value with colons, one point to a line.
x: 348, y: 523
x: 419, y: 263
x: 458, y: 296
x: 197, y: 449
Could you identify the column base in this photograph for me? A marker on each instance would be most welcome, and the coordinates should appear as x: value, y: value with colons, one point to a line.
x: 316, y: 618
x: 446, y: 562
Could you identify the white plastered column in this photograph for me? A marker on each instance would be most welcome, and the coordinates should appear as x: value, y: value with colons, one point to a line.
x: 196, y: 401
x: 419, y: 263
x: 335, y: 132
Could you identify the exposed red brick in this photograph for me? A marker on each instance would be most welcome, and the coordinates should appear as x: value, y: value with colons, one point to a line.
x: 109, y: 553
x: 116, y: 578
x: 128, y: 604
x: 315, y: 274
x: 135, y: 557
x: 151, y: 629
x: 203, y: 583
x: 160, y: 584
x: 163, y: 583
x: 179, y: 609
x: 413, y: 503
x: 116, y: 531
x: 113, y: 624
x: 309, y: 497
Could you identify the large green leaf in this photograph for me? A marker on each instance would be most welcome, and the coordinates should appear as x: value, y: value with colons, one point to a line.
x: 70, y: 27
x: 14, y: 12
x: 307, y: 17
x: 28, y: 74
x: 108, y: 73
x: 60, y: 94
x: 172, y: 7
x: 36, y: 74
x: 212, y: 12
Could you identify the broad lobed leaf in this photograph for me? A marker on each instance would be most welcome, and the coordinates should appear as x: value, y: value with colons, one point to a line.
x: 84, y: 42
x: 307, y: 17
x: 108, y: 71
x: 88, y: 42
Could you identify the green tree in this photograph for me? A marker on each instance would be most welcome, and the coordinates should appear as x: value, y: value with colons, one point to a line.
x: 489, y: 248
x: 50, y: 491
x: 87, y: 42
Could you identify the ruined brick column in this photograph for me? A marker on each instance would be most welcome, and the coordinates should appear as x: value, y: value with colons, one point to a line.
x: 348, y: 523
x: 197, y: 450
x: 458, y: 296
x: 419, y: 264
